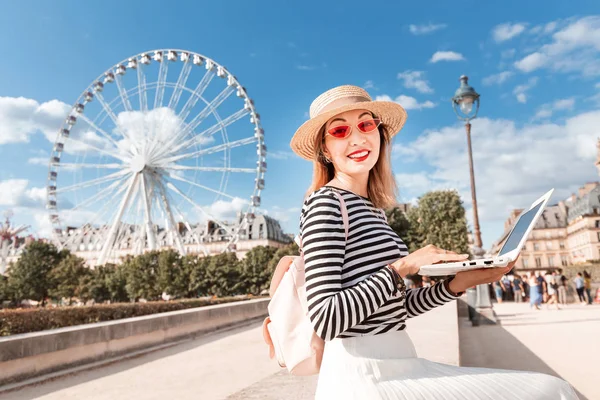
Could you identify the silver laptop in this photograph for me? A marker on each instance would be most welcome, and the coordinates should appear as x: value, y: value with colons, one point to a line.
x: 509, y: 251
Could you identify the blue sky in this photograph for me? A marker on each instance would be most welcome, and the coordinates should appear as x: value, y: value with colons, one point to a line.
x: 537, y: 69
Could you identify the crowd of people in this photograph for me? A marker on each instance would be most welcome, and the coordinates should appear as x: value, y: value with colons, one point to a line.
x: 550, y: 288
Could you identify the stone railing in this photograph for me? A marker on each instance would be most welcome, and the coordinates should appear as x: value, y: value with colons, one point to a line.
x: 33, y: 354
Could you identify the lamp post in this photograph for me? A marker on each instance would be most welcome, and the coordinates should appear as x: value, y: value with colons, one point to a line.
x: 466, y: 105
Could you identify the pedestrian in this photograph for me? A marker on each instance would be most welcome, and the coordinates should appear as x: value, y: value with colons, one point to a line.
x: 552, y: 293
x: 587, y: 285
x: 357, y: 301
x: 535, y: 295
x: 562, y: 287
x: 507, y: 287
x: 542, y: 287
x: 547, y: 279
x: 579, y: 287
x: 518, y: 290
x: 498, y: 290
x: 426, y: 281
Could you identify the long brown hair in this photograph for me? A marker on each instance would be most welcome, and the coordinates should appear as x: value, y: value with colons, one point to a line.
x: 381, y: 188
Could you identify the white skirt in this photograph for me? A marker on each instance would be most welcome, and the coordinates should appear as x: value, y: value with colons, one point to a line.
x: 386, y: 367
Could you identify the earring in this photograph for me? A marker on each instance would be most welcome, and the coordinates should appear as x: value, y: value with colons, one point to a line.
x: 327, y: 160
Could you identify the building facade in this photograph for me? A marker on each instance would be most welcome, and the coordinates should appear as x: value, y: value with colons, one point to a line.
x: 567, y: 233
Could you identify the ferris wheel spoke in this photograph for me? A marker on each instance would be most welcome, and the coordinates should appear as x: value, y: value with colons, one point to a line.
x: 102, y: 194
x: 92, y: 182
x: 142, y: 88
x: 110, y: 113
x: 181, y: 81
x: 173, y: 225
x: 98, y: 149
x: 124, y: 97
x: 201, y: 186
x: 211, y: 169
x: 113, y: 229
x: 208, y: 132
x: 211, y: 150
x: 161, y: 84
x: 148, y: 226
x: 98, y: 129
x: 82, y: 165
x: 192, y: 100
x: 193, y: 203
x: 217, y: 101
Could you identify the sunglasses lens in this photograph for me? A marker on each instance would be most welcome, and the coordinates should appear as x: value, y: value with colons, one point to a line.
x: 339, y: 131
x: 368, y: 125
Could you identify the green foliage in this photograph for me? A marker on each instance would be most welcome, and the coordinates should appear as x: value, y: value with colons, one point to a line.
x: 197, y: 268
x: 104, y: 283
x: 223, y: 275
x: 255, y: 276
x: 29, y: 278
x: 173, y: 274
x: 439, y: 219
x: 399, y: 223
x: 5, y: 290
x: 17, y: 321
x: 142, y: 275
x: 68, y: 278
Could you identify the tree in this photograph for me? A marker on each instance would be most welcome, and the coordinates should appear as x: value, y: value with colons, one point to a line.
x: 197, y: 268
x: 439, y: 219
x: 398, y: 221
x: 223, y: 275
x: 66, y: 278
x: 255, y: 276
x: 173, y: 275
x: 142, y: 274
x: 30, y: 276
x: 5, y: 290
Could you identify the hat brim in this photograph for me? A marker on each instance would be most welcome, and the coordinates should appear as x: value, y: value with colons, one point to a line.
x: 392, y: 115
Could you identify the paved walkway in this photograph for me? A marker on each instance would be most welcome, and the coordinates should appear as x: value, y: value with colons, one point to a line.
x: 561, y: 343
x: 233, y: 365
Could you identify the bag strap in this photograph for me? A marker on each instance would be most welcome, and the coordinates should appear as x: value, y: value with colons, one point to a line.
x: 344, y: 211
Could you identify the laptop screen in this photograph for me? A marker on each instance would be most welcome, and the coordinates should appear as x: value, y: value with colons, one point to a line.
x: 513, y: 240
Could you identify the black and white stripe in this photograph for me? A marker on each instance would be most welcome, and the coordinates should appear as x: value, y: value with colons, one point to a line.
x: 349, y: 290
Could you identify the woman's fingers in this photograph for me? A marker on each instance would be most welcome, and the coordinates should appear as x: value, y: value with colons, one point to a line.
x: 452, y: 257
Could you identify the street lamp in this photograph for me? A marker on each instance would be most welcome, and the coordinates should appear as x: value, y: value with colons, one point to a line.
x: 466, y: 105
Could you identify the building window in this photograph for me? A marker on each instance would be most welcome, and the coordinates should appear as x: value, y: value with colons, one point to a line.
x: 599, y: 236
x: 564, y: 261
x: 525, y: 263
x: 562, y: 245
x: 548, y: 245
x: 536, y: 247
x: 538, y: 262
x: 261, y: 232
x: 597, y: 223
x: 551, y: 261
x: 250, y: 235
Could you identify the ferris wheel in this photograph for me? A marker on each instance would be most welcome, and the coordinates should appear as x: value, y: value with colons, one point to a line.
x: 165, y: 149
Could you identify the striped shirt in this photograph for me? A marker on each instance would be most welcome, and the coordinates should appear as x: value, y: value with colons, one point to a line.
x: 350, y: 292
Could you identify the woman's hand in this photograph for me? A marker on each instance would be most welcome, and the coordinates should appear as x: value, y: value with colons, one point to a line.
x: 429, y: 254
x: 466, y: 279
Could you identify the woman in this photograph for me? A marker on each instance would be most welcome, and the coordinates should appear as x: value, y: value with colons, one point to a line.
x: 535, y: 298
x: 356, y: 298
x: 587, y: 284
x: 552, y: 292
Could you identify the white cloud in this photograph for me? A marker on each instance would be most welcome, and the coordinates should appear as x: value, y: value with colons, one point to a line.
x: 513, y: 164
x: 509, y: 53
x: 226, y: 210
x: 39, y: 161
x: 16, y: 193
x: 280, y: 155
x: 306, y: 67
x: 547, y: 110
x: 531, y: 62
x: 574, y: 48
x: 369, y: 85
x: 521, y: 90
x: 446, y: 56
x: 414, y: 80
x: 504, y: 32
x: 20, y: 118
x: 281, y: 214
x: 425, y: 29
x: 497, y: 79
x: 409, y: 103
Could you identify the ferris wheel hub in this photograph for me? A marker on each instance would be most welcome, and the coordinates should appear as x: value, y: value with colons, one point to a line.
x: 138, y: 163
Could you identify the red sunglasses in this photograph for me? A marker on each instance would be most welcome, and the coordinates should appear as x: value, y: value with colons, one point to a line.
x: 343, y: 131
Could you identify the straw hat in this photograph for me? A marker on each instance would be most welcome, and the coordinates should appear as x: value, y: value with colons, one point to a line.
x: 338, y: 100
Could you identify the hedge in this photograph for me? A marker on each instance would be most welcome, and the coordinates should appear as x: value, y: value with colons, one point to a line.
x: 15, y: 321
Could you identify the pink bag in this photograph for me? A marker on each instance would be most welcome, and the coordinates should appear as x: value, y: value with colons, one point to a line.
x: 288, y: 330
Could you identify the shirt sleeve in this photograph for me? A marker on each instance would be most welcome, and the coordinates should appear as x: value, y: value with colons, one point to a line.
x: 331, y: 309
x: 421, y: 300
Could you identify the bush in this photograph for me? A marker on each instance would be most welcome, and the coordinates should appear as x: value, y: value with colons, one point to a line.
x: 17, y: 321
